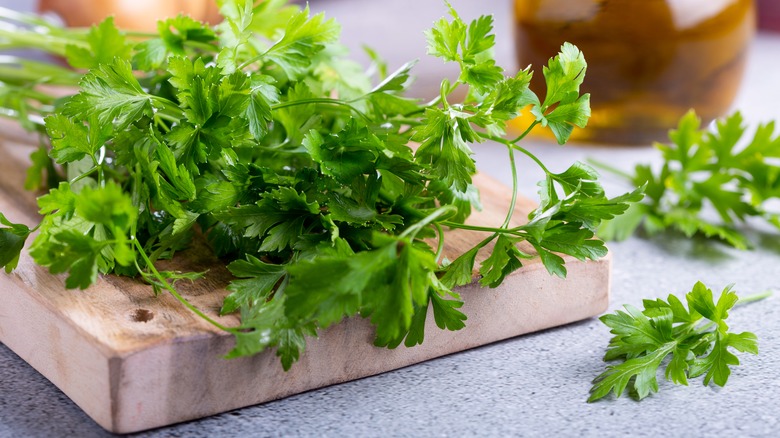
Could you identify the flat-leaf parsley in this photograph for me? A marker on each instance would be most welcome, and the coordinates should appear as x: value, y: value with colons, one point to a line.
x: 293, y: 164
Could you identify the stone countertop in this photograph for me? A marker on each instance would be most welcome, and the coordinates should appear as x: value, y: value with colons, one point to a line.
x: 528, y: 386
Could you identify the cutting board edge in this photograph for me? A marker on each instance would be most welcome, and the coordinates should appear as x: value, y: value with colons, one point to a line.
x: 47, y: 341
x: 122, y: 399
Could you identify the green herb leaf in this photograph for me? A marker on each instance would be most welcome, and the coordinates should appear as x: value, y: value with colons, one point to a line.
x: 12, y: 241
x: 705, y: 171
x: 72, y: 140
x: 303, y: 38
x: 643, y: 339
x: 563, y: 107
x: 112, y: 94
x: 105, y: 42
x: 258, y: 281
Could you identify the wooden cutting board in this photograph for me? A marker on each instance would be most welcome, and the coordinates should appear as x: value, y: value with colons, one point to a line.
x: 133, y: 361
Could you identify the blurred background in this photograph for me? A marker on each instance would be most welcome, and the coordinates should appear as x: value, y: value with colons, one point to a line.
x: 769, y: 15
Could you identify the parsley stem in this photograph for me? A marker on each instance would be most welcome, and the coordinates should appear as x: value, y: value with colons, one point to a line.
x: 435, y: 101
x: 321, y: 100
x: 476, y: 228
x: 171, y: 289
x: 521, y: 149
x: 139, y: 34
x: 444, y: 91
x: 23, y: 38
x: 424, y: 222
x: 99, y: 164
x: 611, y: 169
x: 526, y: 132
x: 253, y: 59
x: 29, y: 92
x: 202, y: 46
x: 440, y: 247
x: 30, y: 73
x: 755, y: 297
x: 454, y: 85
x: 513, y: 202
x: 538, y: 162
x: 85, y: 174
x: 167, y: 117
x: 158, y: 120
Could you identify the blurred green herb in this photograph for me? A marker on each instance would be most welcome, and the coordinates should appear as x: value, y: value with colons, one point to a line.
x: 706, y: 171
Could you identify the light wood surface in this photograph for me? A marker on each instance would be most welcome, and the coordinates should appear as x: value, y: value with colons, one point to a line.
x: 133, y: 361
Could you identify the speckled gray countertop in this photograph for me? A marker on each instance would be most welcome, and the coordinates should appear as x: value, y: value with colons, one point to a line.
x: 535, y: 385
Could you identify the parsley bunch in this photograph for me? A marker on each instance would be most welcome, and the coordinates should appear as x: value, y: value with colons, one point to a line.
x: 293, y: 164
x: 705, y: 170
x: 697, y: 338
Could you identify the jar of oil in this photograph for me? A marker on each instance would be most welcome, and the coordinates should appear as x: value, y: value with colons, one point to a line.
x: 649, y: 61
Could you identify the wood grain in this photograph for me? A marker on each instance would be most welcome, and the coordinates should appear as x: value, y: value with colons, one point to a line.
x: 134, y: 361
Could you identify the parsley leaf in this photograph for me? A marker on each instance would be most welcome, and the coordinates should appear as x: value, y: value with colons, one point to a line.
x: 258, y: 281
x: 444, y: 146
x: 707, y: 171
x: 41, y: 165
x: 504, y: 259
x: 644, y: 339
x: 85, y: 233
x: 563, y: 107
x: 105, y: 42
x: 303, y: 38
x: 175, y: 34
x: 111, y: 93
x: 12, y: 241
x: 72, y: 140
x: 470, y: 46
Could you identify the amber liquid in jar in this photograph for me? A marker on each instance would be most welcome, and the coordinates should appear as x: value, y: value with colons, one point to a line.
x: 649, y: 61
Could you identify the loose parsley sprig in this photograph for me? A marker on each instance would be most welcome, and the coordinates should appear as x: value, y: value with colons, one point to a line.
x: 706, y: 170
x: 697, y: 338
x: 260, y: 137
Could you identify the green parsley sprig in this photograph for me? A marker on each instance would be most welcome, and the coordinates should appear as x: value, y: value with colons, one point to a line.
x: 706, y: 171
x: 294, y: 165
x: 696, y: 338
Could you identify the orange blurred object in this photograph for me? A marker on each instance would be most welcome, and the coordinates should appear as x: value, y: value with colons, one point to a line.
x: 129, y: 14
x: 649, y: 61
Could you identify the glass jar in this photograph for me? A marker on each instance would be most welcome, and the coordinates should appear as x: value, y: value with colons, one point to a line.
x: 649, y: 61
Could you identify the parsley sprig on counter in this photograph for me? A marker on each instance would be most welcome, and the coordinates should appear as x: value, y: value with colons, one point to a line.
x: 293, y: 164
x: 721, y: 171
x: 697, y: 339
